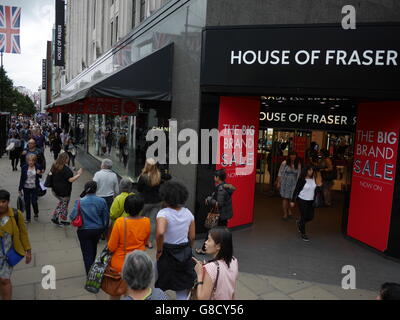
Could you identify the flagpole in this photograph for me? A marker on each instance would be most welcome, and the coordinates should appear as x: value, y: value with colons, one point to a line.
x: 2, y: 69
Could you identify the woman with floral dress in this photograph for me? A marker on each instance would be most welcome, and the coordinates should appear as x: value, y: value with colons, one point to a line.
x: 289, y: 172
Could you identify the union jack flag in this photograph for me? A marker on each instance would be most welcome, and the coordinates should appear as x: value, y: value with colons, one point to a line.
x: 10, y: 20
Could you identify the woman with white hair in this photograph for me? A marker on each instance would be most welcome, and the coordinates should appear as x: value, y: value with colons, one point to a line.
x: 138, y: 273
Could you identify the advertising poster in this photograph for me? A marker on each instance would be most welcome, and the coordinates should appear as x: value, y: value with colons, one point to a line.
x: 238, y: 127
x: 374, y: 172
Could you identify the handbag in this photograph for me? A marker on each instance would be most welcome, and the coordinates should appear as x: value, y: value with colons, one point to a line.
x: 193, y: 291
x: 78, y: 221
x: 97, y: 270
x: 212, y: 218
x: 49, y: 180
x: 318, y: 198
x: 12, y: 256
x: 21, y: 204
x: 112, y: 283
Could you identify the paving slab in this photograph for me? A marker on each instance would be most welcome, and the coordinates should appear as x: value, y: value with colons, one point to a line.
x: 68, y: 288
x: 60, y: 256
x: 350, y: 294
x: 313, y: 293
x: 287, y: 285
x: 244, y: 293
x: 255, y: 283
x: 24, y: 292
x: 275, y: 295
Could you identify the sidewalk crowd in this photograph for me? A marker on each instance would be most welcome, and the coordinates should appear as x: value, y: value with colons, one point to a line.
x: 129, y: 222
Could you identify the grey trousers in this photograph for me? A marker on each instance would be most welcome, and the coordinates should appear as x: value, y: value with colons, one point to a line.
x: 150, y: 211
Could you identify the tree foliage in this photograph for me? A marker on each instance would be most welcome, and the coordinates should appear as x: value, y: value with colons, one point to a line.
x: 11, y: 100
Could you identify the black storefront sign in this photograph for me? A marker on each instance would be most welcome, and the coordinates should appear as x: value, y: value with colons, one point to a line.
x: 44, y: 74
x: 60, y: 34
x: 303, y: 60
x: 310, y: 119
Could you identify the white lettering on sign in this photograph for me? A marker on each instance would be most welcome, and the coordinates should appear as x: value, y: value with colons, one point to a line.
x: 378, y: 148
x: 308, y: 118
x: 366, y: 57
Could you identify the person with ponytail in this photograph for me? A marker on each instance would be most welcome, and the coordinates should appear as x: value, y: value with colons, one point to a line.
x: 148, y: 185
x: 95, y: 215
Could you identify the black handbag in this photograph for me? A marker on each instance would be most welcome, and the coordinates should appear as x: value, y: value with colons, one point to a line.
x: 318, y: 198
x: 49, y: 181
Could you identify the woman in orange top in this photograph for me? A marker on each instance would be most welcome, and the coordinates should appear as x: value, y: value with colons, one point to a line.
x: 137, y: 233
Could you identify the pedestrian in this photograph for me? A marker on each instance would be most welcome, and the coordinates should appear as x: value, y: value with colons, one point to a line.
x: 149, y: 185
x: 64, y: 137
x: 109, y: 140
x: 95, y: 216
x: 15, y: 152
x: 304, y: 194
x: 107, y: 184
x: 117, y: 208
x: 29, y: 185
x: 33, y: 149
x: 389, y: 291
x: 220, y: 199
x: 137, y: 272
x: 62, y: 178
x: 71, y: 150
x: 128, y: 234
x: 13, y: 234
x: 288, y: 175
x: 216, y: 280
x: 175, y: 240
x: 328, y: 174
x: 123, y: 149
x: 39, y: 139
x: 55, y: 145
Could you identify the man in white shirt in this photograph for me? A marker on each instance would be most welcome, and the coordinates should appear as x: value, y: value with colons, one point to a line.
x: 107, y: 183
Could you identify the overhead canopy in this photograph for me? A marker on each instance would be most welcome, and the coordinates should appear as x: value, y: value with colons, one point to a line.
x: 147, y: 79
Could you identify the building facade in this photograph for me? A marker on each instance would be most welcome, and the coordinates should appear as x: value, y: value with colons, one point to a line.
x: 243, y: 64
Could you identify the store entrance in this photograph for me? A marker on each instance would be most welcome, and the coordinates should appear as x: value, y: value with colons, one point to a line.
x: 275, y: 144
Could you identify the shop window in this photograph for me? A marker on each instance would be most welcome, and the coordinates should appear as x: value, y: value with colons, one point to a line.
x: 123, y: 138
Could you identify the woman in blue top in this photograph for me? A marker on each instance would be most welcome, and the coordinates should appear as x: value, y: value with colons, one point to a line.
x: 95, y: 215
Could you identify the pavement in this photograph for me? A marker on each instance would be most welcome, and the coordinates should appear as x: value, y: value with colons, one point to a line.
x: 59, y: 247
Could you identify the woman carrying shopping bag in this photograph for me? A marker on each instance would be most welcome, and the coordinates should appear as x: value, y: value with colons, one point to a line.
x: 94, y: 214
x: 128, y: 234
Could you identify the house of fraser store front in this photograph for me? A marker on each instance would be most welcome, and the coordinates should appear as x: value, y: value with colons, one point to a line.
x: 293, y: 85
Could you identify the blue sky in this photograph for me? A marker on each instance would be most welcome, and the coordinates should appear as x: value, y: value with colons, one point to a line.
x: 37, y: 20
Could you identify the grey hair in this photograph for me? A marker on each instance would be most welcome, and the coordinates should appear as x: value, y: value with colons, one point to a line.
x: 125, y: 185
x: 137, y: 270
x: 107, y: 164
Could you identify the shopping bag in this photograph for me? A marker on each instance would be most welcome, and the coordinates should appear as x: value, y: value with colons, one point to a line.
x: 21, y: 204
x: 97, y: 270
x: 319, y: 200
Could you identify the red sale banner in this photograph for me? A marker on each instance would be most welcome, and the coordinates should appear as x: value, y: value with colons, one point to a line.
x: 238, y: 127
x: 374, y: 170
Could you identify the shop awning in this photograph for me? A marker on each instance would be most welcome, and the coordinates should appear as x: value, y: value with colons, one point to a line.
x: 147, y: 79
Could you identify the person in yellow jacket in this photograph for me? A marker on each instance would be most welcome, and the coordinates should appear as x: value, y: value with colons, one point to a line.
x: 117, y: 207
x: 13, y: 234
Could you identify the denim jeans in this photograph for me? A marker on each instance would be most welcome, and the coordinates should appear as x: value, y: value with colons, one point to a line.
x: 31, y: 198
